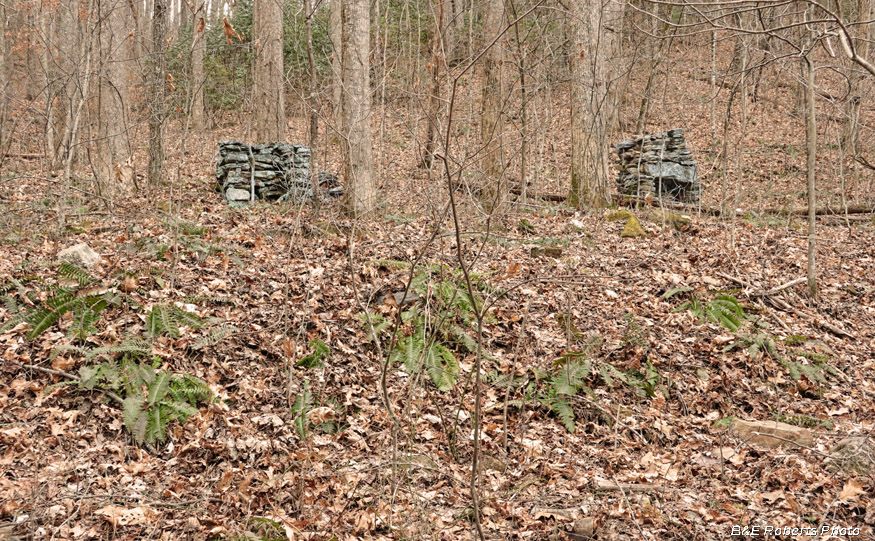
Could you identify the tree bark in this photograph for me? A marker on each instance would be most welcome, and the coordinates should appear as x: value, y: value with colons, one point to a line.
x: 198, y: 44
x: 493, y: 189
x: 437, y: 64
x: 313, y: 102
x: 811, y: 139
x: 360, y: 192
x: 335, y: 34
x: 589, y: 57
x: 158, y: 83
x: 268, y: 87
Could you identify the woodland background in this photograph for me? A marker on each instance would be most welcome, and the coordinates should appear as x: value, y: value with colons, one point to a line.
x: 475, y: 341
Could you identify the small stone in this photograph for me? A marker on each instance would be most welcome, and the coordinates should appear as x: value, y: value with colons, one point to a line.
x: 633, y: 229
x: 582, y: 529
x: 236, y: 194
x: 549, y: 251
x: 80, y: 255
x: 856, y: 454
x: 491, y: 463
x: 771, y: 433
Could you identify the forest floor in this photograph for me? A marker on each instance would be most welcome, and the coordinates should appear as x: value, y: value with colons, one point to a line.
x: 612, y: 337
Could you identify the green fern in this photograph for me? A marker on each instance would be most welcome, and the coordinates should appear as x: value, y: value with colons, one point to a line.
x: 214, y: 336
x: 724, y: 309
x: 300, y: 409
x: 379, y: 323
x: 166, y: 319
x: 321, y: 351
x: 562, y: 409
x: 442, y: 366
x: 72, y: 272
x: 569, y: 379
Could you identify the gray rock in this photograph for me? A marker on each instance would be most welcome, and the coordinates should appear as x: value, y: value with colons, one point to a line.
x: 856, y: 454
x: 80, y: 255
x: 236, y: 194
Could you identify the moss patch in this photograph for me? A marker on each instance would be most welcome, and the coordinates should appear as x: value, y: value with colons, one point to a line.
x: 633, y: 229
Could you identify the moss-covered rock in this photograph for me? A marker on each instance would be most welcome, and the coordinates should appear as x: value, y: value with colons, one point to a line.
x: 633, y: 229
x: 677, y: 221
x: 618, y: 216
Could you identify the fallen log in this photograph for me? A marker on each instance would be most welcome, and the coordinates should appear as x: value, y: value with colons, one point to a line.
x: 631, y: 200
x: 545, y: 196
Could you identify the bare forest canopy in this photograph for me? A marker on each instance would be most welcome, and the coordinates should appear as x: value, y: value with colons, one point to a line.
x: 436, y: 269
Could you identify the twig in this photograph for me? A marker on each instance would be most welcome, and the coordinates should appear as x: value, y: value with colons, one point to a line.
x: 778, y: 289
x: 68, y: 375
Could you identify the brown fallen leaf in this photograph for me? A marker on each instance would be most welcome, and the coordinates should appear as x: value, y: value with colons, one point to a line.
x: 851, y: 490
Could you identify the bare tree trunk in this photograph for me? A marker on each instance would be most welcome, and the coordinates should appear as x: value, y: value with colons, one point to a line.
x: 360, y: 193
x: 158, y: 85
x: 437, y: 70
x: 522, y: 69
x: 589, y: 101
x: 113, y: 148
x: 492, y: 186
x: 5, y: 84
x: 851, y: 131
x: 335, y: 34
x: 198, y: 44
x: 313, y: 102
x: 267, y: 82
x: 811, y: 139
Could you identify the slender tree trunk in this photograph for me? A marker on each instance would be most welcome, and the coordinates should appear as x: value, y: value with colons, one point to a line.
x: 522, y: 69
x: 5, y: 83
x: 198, y: 44
x: 313, y: 102
x: 268, y: 88
x: 811, y: 139
x: 158, y: 83
x: 360, y: 193
x: 493, y: 187
x: 437, y: 70
x: 335, y: 34
x: 113, y: 148
x: 48, y: 72
x: 860, y: 12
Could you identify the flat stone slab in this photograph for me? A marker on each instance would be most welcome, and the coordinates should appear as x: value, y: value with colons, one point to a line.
x: 771, y: 434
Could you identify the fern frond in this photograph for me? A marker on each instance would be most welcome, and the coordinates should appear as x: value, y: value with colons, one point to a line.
x: 301, y: 407
x: 72, y: 272
x: 442, y: 366
x: 216, y: 335
x: 321, y: 351
x: 159, y: 388
x: 131, y: 345
x: 409, y: 352
x: 563, y: 410
x: 190, y: 389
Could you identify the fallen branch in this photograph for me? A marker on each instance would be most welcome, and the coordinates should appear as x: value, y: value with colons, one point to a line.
x: 780, y: 288
x: 764, y: 292
x: 836, y: 330
x: 604, y: 484
x: 545, y: 196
